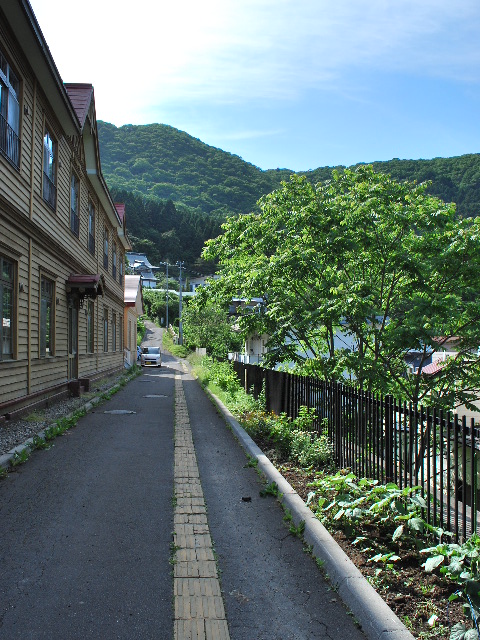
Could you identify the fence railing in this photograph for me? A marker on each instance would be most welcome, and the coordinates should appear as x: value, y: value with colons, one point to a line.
x: 9, y: 142
x: 387, y: 440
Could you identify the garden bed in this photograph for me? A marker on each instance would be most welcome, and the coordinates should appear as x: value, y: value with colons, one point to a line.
x: 412, y: 594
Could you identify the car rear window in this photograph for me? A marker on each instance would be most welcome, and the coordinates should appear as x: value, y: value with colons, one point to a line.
x: 152, y: 350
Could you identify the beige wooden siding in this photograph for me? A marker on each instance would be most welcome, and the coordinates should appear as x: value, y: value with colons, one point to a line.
x: 13, y: 382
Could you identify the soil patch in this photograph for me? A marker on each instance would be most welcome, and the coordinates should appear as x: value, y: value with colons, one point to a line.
x: 413, y: 595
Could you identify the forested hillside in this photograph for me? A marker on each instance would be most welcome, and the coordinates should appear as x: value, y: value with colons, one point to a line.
x: 160, y: 161
x: 167, y: 233
x: 179, y: 189
x: 452, y: 179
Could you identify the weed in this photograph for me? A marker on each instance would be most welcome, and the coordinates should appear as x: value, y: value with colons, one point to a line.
x: 270, y: 490
x: 297, y: 531
x: 288, y: 516
x: 19, y: 457
x: 173, y: 553
x: 39, y: 443
x: 251, y: 462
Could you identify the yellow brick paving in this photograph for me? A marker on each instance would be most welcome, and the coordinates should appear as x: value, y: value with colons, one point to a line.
x: 199, y: 609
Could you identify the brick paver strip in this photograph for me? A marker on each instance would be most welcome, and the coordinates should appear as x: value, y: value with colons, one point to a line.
x: 199, y: 610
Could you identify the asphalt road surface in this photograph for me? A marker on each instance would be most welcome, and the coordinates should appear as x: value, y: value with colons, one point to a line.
x: 86, y: 530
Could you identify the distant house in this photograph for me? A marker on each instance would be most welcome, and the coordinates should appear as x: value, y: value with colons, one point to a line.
x: 133, y: 310
x: 199, y: 281
x: 62, y: 239
x: 140, y: 265
x: 255, y: 345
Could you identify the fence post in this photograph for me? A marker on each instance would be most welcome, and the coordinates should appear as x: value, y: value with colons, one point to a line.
x: 338, y: 423
x: 389, y: 438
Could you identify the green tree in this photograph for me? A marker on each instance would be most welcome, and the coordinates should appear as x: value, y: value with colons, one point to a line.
x: 155, y: 305
x: 366, y: 258
x: 207, y: 325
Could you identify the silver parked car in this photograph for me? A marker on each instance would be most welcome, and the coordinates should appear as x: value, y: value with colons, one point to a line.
x: 151, y: 357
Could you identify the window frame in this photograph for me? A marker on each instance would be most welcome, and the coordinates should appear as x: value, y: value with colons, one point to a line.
x: 91, y: 227
x: 9, y: 112
x: 105, y: 248
x: 50, y: 170
x: 75, y: 212
x: 105, y: 330
x: 114, y: 260
x: 46, y: 330
x: 120, y: 268
x: 90, y: 313
x: 114, y: 331
x: 8, y: 285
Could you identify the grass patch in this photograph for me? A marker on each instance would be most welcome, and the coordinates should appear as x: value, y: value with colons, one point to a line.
x: 35, y: 416
x: 177, y: 350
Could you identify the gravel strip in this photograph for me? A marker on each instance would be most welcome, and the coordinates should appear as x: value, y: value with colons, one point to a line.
x: 16, y: 432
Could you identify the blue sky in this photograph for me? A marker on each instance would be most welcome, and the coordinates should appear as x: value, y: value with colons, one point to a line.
x: 282, y: 83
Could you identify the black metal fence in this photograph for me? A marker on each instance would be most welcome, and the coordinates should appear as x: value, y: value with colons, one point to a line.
x: 387, y: 440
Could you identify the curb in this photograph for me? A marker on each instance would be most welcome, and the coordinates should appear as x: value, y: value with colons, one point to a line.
x: 377, y: 620
x: 6, y: 458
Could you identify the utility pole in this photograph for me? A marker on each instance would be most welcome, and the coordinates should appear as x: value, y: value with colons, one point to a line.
x: 166, y: 295
x: 180, y: 327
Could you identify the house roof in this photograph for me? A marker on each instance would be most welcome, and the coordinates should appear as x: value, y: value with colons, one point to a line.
x: 85, y: 285
x: 140, y: 258
x: 81, y: 98
x: 432, y: 368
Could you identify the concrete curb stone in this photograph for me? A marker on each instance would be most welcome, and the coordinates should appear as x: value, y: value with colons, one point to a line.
x: 6, y: 458
x: 377, y: 620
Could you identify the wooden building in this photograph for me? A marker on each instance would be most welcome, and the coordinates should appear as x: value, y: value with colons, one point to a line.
x: 62, y: 239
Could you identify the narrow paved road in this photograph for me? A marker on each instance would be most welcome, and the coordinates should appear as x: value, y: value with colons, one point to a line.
x: 86, y: 530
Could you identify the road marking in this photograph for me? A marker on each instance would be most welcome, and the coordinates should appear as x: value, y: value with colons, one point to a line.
x: 120, y: 412
x: 199, y: 610
x: 156, y: 395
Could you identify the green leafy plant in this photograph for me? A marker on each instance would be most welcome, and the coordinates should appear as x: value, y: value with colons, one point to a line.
x: 297, y: 531
x: 288, y: 516
x: 294, y: 439
x: 19, y: 457
x: 270, y: 490
x: 460, y: 632
x: 459, y: 563
x: 251, y: 462
x: 39, y: 443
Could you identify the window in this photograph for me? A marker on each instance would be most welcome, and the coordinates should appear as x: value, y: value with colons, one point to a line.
x: 47, y: 290
x: 120, y: 260
x: 7, y: 279
x: 91, y: 228
x: 105, y: 329
x: 120, y: 333
x: 49, y: 168
x: 90, y: 327
x: 114, y: 260
x: 9, y: 112
x: 74, y: 205
x: 114, y: 331
x: 105, y: 249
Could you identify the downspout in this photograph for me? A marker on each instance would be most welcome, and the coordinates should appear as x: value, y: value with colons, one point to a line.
x: 30, y: 243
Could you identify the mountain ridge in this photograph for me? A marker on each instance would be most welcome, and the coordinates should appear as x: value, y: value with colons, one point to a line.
x: 202, y: 184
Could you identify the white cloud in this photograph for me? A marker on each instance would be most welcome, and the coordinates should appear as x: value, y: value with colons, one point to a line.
x: 159, y: 53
